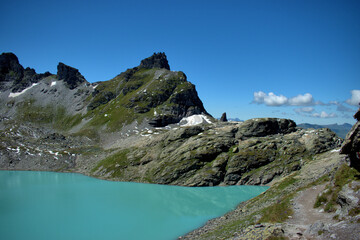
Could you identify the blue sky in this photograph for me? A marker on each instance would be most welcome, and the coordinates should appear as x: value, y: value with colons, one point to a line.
x: 297, y: 59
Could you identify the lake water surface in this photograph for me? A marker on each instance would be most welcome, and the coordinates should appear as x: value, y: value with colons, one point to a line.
x: 49, y: 205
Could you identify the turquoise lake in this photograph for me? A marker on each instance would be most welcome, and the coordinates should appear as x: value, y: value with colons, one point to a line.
x: 50, y: 205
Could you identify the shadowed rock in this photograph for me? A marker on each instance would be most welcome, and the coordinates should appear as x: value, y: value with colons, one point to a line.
x: 265, y: 126
x: 157, y: 60
x: 223, y: 117
x: 13, y: 75
x: 71, y: 76
x: 351, y: 145
x: 10, y: 69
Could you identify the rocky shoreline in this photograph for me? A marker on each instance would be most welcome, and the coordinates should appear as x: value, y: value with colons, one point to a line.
x: 149, y: 125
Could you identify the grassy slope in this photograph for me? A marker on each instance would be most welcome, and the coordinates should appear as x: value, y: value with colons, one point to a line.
x: 119, y: 101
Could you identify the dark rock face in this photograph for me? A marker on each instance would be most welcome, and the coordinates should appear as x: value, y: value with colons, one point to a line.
x: 184, y: 103
x: 10, y: 70
x: 13, y: 76
x: 9, y: 62
x: 164, y: 120
x: 357, y: 115
x: 351, y: 145
x: 157, y: 60
x: 223, y: 117
x: 265, y: 126
x: 71, y: 76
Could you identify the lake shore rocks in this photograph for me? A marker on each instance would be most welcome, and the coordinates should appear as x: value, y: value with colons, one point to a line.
x: 254, y: 152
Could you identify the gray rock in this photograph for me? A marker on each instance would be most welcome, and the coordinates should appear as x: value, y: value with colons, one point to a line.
x: 261, y: 127
x: 315, y: 228
x: 348, y: 198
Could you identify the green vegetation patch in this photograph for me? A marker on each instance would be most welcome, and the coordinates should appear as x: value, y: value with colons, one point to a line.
x: 278, y: 212
x: 343, y: 176
x: 114, y: 163
x: 56, y: 116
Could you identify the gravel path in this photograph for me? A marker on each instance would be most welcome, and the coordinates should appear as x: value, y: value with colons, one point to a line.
x: 304, y: 221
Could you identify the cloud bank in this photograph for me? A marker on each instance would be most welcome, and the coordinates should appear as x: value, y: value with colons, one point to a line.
x: 271, y: 99
x: 324, y: 114
x: 304, y: 110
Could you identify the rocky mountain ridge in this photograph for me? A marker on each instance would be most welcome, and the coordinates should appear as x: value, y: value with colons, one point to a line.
x: 148, y: 125
x: 149, y: 94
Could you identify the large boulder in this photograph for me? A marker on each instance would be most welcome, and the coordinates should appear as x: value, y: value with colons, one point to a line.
x: 260, y: 127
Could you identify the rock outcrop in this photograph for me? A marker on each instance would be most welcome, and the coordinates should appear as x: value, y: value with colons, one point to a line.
x: 71, y: 76
x: 13, y: 75
x: 223, y: 117
x: 151, y: 89
x: 157, y: 60
x: 10, y: 69
x: 254, y: 152
x: 351, y: 145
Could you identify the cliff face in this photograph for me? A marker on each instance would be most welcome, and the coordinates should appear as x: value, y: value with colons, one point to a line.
x: 14, y: 77
x: 254, y: 152
x: 351, y: 145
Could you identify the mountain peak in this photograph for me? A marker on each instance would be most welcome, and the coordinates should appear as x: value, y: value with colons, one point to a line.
x: 157, y: 60
x: 71, y: 76
x: 10, y: 62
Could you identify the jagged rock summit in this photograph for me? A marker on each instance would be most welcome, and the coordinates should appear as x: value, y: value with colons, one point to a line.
x: 13, y: 76
x: 149, y: 95
x: 157, y: 60
x: 71, y: 76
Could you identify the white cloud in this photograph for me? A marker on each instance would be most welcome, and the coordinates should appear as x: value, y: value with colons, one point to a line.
x: 272, y: 99
x: 323, y: 114
x: 304, y: 110
x: 302, y: 100
x: 355, y: 98
x: 259, y: 97
x: 269, y: 99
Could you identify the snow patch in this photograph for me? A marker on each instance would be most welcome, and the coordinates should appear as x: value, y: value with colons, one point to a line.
x: 53, y: 83
x: 335, y: 150
x: 194, y: 120
x: 23, y: 91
